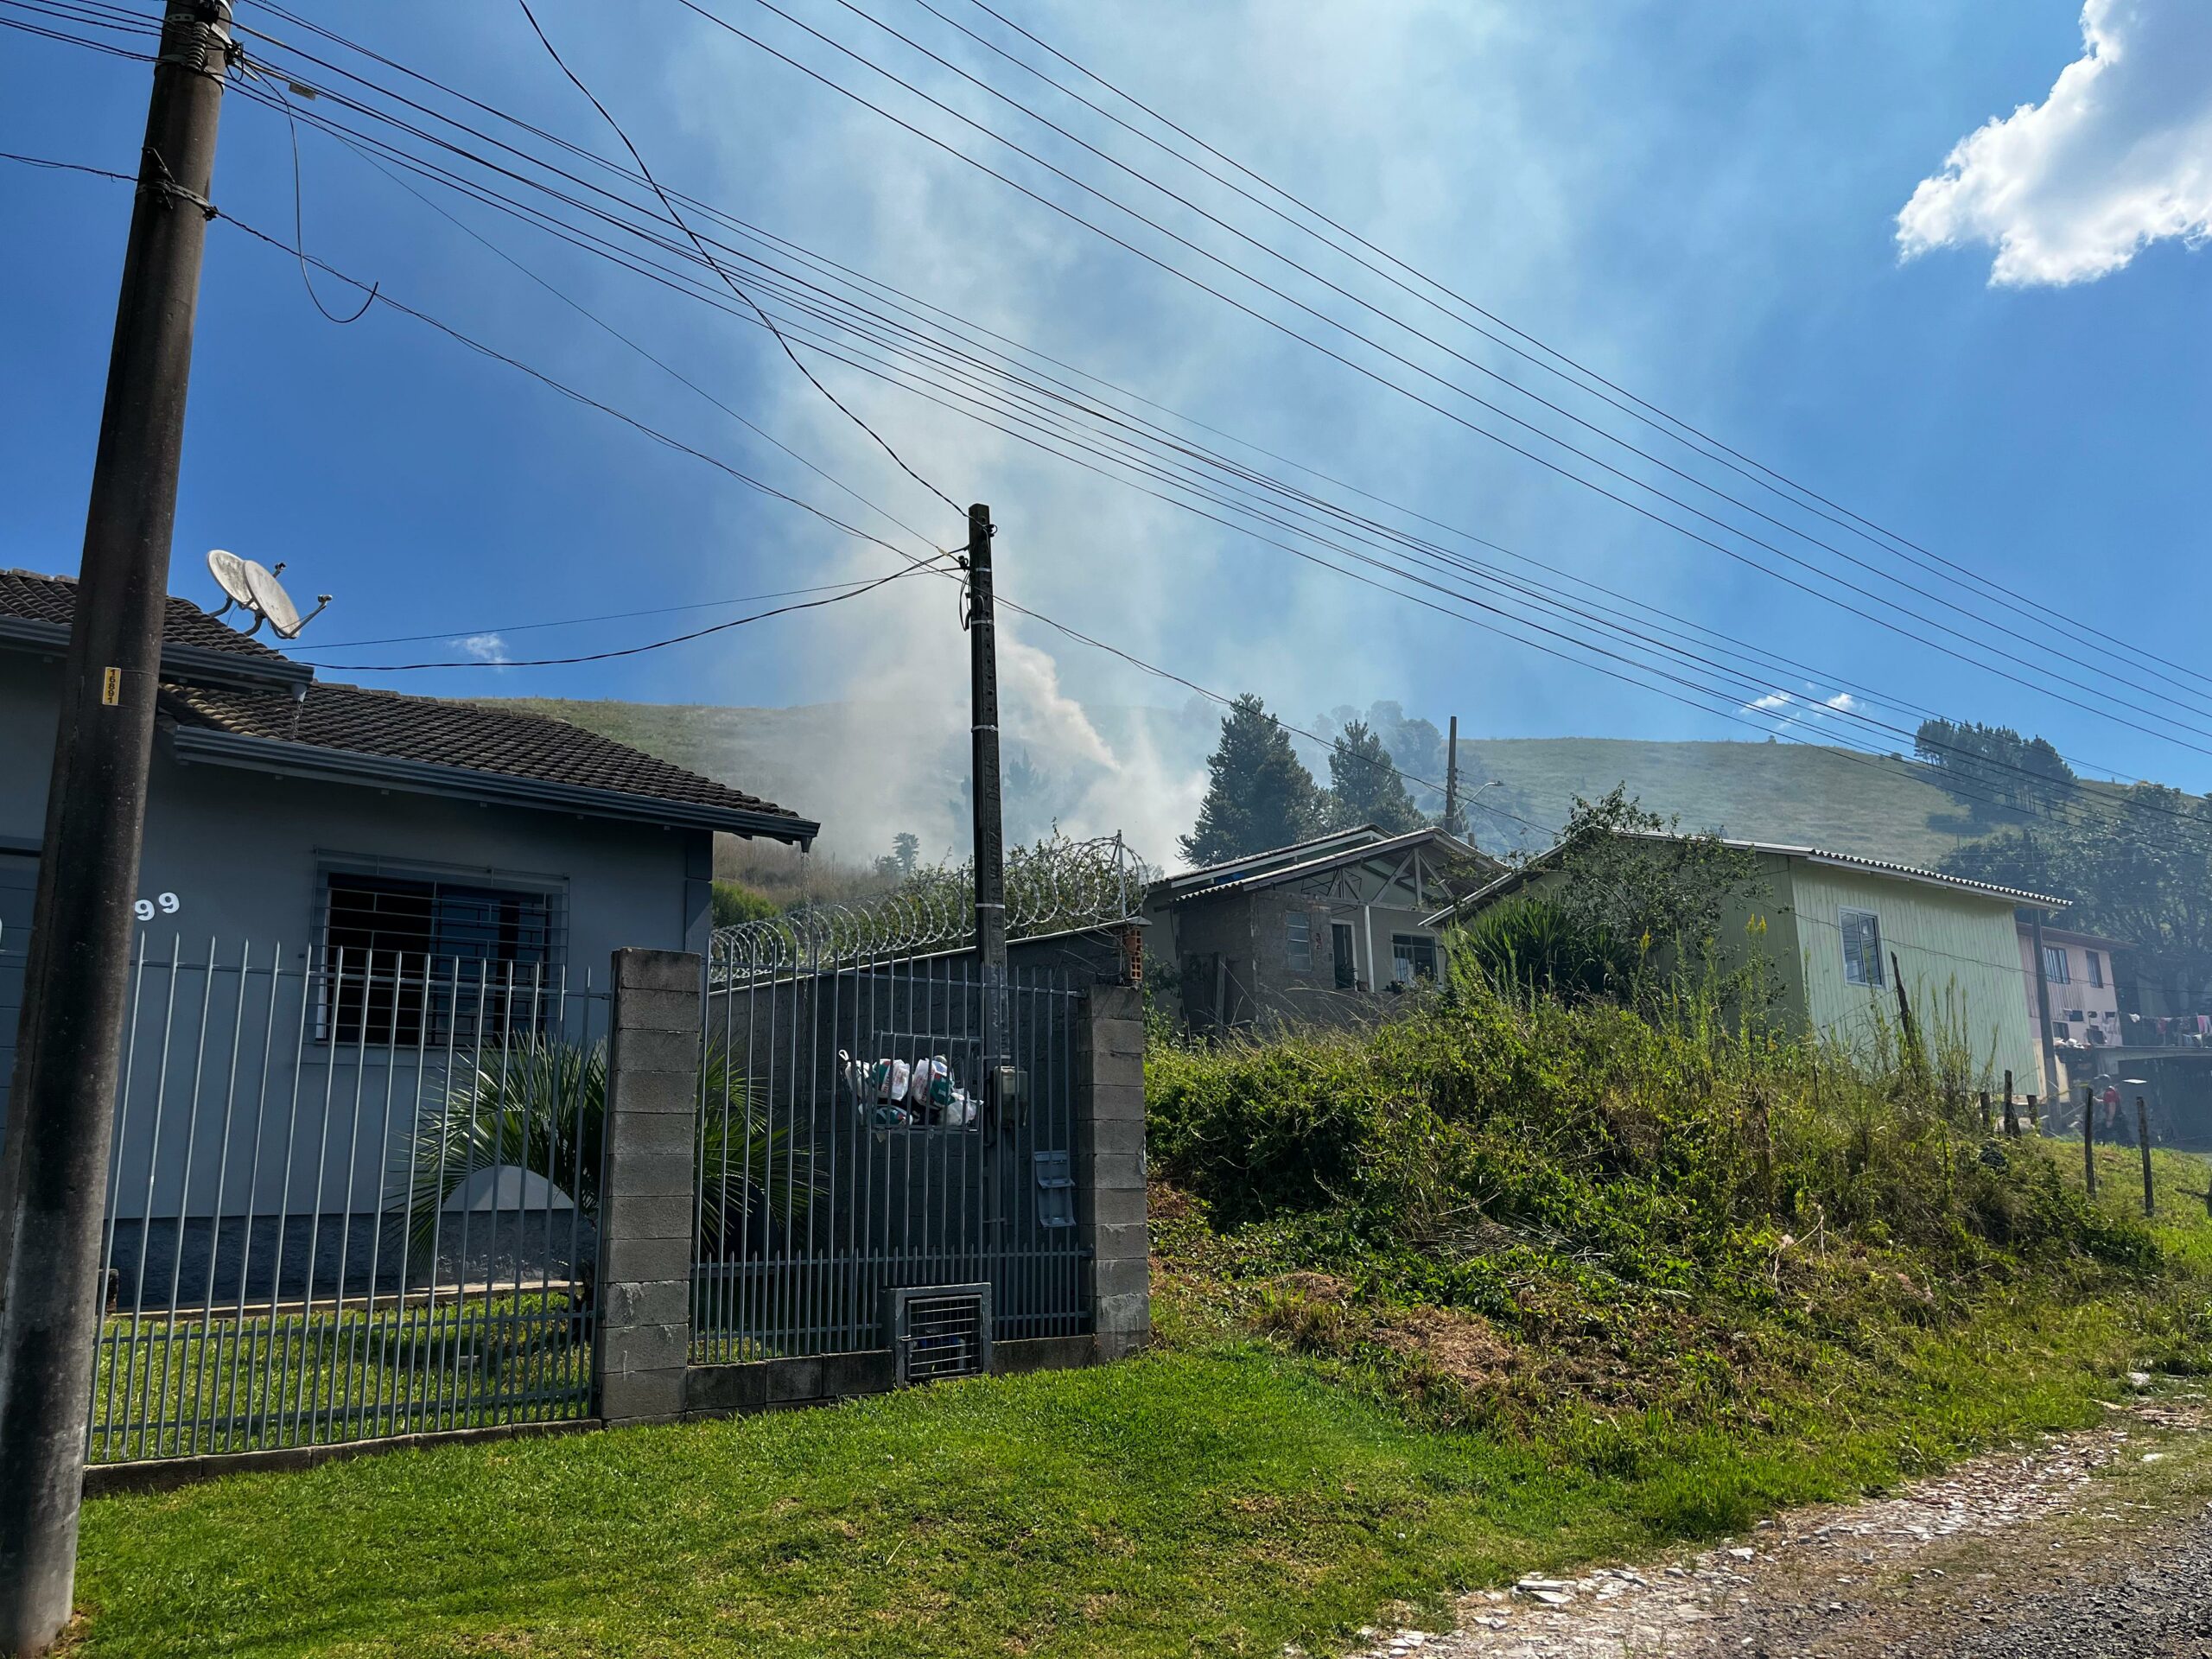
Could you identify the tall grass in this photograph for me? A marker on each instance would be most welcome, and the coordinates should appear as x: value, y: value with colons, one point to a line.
x: 1678, y: 1204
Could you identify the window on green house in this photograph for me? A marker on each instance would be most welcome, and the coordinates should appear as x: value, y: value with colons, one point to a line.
x: 1862, y: 946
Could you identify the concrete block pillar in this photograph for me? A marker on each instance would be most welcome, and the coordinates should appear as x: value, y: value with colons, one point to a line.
x: 1109, y: 1167
x: 647, y: 1224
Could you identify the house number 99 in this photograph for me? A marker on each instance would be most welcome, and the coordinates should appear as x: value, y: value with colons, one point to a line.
x: 168, y: 904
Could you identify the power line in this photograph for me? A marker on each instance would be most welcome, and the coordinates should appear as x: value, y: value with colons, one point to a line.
x: 594, y: 403
x: 1649, y: 413
x: 632, y: 651
x: 720, y: 271
x: 1881, y: 621
x: 1688, y: 684
x: 1627, y: 479
x: 503, y: 628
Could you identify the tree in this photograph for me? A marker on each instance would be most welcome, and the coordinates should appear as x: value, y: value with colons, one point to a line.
x: 1635, y: 882
x: 1364, y: 787
x: 900, y: 862
x: 2137, y: 864
x: 1260, y: 795
x: 1990, y: 766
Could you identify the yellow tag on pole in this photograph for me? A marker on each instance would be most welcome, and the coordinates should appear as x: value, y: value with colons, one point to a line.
x: 112, y: 688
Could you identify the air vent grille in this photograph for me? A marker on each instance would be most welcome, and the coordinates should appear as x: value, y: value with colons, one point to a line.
x: 940, y: 1331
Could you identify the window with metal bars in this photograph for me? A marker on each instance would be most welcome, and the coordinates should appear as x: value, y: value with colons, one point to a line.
x: 414, y: 959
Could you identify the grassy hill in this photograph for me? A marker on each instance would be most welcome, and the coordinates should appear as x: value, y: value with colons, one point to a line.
x: 1835, y: 798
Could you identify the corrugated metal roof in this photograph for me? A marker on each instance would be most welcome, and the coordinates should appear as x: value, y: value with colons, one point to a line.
x: 1817, y: 854
x: 1383, y: 847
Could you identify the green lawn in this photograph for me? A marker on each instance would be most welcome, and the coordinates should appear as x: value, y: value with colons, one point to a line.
x: 1215, y: 1496
x: 193, y: 1385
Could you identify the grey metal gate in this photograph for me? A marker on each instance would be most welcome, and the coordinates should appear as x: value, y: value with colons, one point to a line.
x: 848, y: 1149
x: 351, y: 1196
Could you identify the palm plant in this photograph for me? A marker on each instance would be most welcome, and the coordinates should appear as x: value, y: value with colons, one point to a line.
x: 539, y: 1106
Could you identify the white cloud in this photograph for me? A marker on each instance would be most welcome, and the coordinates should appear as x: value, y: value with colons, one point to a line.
x: 2117, y: 157
x: 1841, y: 702
x: 484, y: 648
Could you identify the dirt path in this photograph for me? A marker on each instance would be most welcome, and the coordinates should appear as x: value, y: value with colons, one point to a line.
x: 2096, y: 1543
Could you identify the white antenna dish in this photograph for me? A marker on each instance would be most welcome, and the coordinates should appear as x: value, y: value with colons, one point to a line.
x: 229, y: 571
x: 248, y: 585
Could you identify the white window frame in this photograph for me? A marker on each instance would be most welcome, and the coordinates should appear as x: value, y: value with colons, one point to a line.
x: 2055, y: 968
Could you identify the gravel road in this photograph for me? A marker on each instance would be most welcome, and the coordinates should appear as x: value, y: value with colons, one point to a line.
x: 2081, y: 1546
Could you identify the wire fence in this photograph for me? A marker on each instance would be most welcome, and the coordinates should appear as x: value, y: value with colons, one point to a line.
x: 350, y: 1195
x: 1056, y: 886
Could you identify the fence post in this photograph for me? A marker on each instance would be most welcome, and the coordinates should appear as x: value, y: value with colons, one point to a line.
x: 2089, y: 1141
x: 646, y: 1223
x: 2143, y: 1136
x: 1109, y: 1165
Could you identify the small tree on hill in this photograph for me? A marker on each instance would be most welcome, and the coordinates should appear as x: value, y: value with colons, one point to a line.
x: 1364, y: 787
x: 1259, y: 797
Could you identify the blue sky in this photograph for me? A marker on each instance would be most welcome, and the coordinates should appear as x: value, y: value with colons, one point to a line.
x: 1700, y: 202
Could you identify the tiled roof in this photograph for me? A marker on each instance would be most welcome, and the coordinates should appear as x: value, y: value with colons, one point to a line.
x: 54, y: 599
x: 390, y: 729
x: 432, y: 731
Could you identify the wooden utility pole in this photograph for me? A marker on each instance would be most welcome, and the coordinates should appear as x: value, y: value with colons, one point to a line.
x: 1904, y: 1015
x: 2089, y: 1139
x: 55, y: 1170
x: 1451, y: 779
x: 2011, y: 1118
x: 990, y: 836
x: 2042, y: 1014
x: 2143, y: 1139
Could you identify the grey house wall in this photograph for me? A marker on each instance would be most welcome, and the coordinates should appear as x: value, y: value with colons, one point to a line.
x: 244, y: 852
x: 1235, y: 947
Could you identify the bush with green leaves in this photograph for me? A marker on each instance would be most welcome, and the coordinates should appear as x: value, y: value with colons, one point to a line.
x: 1664, y: 1197
x: 538, y: 1105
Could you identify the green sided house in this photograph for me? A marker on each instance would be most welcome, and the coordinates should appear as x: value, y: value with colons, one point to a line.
x: 1841, y: 930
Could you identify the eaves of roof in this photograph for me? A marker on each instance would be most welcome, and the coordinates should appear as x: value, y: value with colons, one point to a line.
x: 181, y: 665
x: 192, y: 744
x: 1357, y: 855
x: 1512, y: 879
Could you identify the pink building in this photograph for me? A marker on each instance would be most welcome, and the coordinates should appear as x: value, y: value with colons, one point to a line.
x: 2084, y: 1000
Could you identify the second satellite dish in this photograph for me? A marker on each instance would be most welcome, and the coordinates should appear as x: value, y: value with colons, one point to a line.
x: 249, y: 586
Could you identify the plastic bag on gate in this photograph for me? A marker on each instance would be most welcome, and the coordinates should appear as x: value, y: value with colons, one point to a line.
x: 884, y: 1081
x: 959, y: 1109
x: 931, y: 1082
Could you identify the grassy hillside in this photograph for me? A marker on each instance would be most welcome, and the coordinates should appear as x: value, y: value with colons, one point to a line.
x: 1774, y: 792
x: 1793, y: 793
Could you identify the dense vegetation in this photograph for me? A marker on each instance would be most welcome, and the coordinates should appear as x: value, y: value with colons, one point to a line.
x: 1581, y: 1215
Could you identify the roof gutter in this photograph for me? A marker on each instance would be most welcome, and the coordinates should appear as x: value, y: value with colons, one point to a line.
x: 183, y: 665
x: 194, y: 744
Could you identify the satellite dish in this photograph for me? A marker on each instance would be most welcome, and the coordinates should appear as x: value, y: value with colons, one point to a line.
x: 251, y: 586
x: 229, y: 571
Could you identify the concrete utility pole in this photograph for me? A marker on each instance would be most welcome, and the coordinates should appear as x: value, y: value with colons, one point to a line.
x: 54, y: 1178
x: 990, y: 834
x: 1451, y: 779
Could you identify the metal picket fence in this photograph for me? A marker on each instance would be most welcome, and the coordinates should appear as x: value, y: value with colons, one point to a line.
x: 846, y: 1150
x: 351, y: 1195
